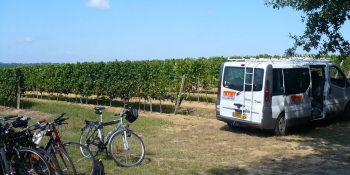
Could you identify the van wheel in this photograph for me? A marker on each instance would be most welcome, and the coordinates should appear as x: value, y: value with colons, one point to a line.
x: 281, y: 128
x: 346, y: 113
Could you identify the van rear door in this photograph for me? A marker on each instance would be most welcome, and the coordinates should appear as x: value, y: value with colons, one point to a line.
x: 297, y: 103
x: 242, y: 100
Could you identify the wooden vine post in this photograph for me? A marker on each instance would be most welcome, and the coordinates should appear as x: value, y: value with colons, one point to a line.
x: 18, y: 92
x: 180, y: 93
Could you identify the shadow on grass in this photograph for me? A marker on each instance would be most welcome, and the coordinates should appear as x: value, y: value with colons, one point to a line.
x: 103, y: 101
x: 227, y: 170
x: 295, y: 130
x: 248, y: 131
x: 23, y: 104
x: 326, y: 142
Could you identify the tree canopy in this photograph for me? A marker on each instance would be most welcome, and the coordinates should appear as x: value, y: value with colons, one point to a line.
x: 323, y: 18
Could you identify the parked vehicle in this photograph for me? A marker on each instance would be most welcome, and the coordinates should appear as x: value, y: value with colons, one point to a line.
x: 279, y: 93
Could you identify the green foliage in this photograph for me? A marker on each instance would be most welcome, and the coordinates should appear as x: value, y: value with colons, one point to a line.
x: 323, y: 22
x: 158, y: 79
x: 10, y: 78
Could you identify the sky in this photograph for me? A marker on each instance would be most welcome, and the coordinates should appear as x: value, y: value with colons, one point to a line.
x: 70, y: 31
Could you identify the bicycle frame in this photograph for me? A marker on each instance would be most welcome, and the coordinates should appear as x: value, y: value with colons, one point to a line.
x: 100, y: 129
x: 53, y: 141
x: 120, y: 126
x: 57, y: 139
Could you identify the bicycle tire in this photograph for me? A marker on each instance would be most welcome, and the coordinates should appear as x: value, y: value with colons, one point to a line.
x: 53, y: 164
x: 30, y: 161
x: 5, y: 168
x: 65, y: 162
x: 123, y: 155
x: 90, y: 138
x: 83, y: 163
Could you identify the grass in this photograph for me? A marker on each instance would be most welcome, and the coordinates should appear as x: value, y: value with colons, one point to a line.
x: 167, y: 106
x: 77, y: 114
x: 178, y: 144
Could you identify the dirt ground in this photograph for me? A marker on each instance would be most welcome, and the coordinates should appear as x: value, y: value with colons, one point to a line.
x: 319, y: 148
x: 31, y: 114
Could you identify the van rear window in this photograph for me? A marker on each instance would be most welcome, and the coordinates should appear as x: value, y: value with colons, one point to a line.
x: 234, y: 79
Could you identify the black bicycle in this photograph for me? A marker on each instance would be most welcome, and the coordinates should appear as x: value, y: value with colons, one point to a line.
x: 67, y: 154
x: 16, y: 159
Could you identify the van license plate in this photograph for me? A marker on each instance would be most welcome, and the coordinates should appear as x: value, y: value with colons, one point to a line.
x: 240, y: 115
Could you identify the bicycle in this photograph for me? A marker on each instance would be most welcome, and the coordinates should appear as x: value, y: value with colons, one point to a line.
x: 19, y: 160
x: 26, y: 140
x: 125, y: 147
x: 68, y: 154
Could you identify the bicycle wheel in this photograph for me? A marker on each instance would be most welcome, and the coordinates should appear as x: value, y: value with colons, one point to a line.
x: 89, y: 137
x: 29, y: 161
x: 83, y: 163
x: 127, y: 149
x: 5, y: 168
x: 53, y: 164
x: 65, y: 162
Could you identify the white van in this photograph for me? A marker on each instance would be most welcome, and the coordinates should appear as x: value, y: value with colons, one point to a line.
x: 278, y: 93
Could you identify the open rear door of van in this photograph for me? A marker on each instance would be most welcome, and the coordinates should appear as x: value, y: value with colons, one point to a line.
x: 297, y: 103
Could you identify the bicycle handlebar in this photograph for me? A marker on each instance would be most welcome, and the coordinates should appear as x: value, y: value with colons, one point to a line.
x: 58, y: 119
x: 9, y: 117
x: 35, y: 126
x: 127, y: 108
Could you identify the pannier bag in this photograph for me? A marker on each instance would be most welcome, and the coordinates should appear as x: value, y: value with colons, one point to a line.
x: 98, y: 167
x: 23, y: 122
x: 132, y: 115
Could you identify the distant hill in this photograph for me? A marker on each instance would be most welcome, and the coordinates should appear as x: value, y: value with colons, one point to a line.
x: 2, y: 65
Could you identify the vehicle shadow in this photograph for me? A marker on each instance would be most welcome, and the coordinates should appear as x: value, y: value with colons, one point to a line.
x: 248, y: 131
x: 295, y: 130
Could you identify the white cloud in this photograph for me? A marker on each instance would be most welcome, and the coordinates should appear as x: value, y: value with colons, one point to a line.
x: 100, y: 4
x: 26, y: 39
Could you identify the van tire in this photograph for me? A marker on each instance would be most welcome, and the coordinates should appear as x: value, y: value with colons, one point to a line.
x: 281, y: 128
x: 346, y: 113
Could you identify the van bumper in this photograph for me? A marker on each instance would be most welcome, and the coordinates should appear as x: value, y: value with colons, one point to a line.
x: 239, y: 121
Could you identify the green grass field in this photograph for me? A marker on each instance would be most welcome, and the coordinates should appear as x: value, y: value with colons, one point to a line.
x: 78, y: 113
x: 192, y: 144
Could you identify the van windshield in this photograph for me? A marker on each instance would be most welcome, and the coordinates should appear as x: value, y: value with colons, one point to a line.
x: 234, y: 78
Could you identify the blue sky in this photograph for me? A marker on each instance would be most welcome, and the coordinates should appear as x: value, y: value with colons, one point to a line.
x: 70, y: 31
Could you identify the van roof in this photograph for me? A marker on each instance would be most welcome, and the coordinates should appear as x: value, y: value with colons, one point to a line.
x: 292, y: 62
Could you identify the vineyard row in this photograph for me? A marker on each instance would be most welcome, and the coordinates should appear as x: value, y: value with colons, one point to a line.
x: 156, y: 78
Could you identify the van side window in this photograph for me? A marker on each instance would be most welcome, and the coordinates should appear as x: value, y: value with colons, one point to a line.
x: 277, y: 81
x: 234, y: 78
x: 296, y: 80
x: 336, y: 76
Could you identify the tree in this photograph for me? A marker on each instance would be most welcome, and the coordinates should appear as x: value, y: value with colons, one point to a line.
x: 324, y: 18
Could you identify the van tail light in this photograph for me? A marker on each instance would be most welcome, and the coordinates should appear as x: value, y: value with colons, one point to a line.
x: 219, y: 86
x: 267, y: 90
